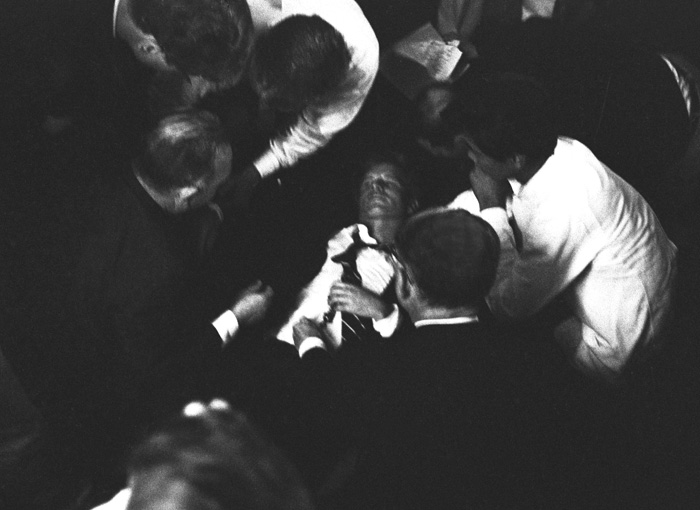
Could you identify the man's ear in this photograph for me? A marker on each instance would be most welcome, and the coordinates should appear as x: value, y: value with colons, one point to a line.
x: 403, y: 285
x: 151, y: 51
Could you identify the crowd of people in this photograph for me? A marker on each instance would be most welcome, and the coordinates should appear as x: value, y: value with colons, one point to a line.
x: 246, y: 269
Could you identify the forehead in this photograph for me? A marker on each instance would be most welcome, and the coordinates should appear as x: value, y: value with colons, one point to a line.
x: 383, y: 170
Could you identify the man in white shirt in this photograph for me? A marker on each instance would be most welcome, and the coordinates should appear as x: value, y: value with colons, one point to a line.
x: 326, y: 102
x: 578, y: 233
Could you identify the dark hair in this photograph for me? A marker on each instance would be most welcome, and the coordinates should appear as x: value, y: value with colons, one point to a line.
x: 451, y: 254
x: 218, y: 461
x: 505, y: 114
x: 209, y: 38
x: 180, y: 150
x: 302, y: 58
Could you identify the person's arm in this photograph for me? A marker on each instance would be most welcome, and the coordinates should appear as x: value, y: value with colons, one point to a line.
x: 553, y: 250
x: 248, y: 309
x: 312, y: 300
x: 458, y: 20
x: 318, y: 124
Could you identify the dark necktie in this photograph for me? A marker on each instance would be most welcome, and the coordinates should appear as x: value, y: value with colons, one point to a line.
x: 355, y: 328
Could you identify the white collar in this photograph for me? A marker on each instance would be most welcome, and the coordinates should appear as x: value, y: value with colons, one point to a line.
x: 114, y: 18
x: 447, y: 321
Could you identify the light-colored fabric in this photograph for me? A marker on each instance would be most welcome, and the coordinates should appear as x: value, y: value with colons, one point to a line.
x: 468, y: 201
x: 119, y: 502
x: 589, y: 237
x: 114, y: 18
x: 226, y: 325
x: 318, y: 123
x: 311, y: 343
x: 449, y: 321
x: 376, y: 270
x: 538, y: 8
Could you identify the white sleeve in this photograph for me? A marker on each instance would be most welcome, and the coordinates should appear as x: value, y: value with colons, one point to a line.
x: 226, y: 325
x: 119, y: 502
x: 312, y: 301
x: 388, y: 325
x: 315, y: 127
x: 554, y: 250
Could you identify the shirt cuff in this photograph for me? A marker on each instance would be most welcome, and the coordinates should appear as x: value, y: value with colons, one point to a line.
x: 387, y: 326
x: 267, y: 164
x: 227, y: 326
x: 311, y: 343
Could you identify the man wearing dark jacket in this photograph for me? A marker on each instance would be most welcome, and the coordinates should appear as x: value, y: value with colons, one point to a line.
x: 432, y: 413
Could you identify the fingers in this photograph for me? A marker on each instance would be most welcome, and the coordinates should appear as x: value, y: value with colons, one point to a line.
x: 198, y: 408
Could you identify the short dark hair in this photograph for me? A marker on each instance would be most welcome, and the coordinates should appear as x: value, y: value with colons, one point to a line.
x: 451, y: 254
x: 209, y: 38
x: 505, y: 114
x: 180, y: 150
x: 302, y: 57
x: 218, y: 461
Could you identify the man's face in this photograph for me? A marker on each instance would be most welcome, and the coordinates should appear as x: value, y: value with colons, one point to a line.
x: 494, y: 168
x: 382, y: 193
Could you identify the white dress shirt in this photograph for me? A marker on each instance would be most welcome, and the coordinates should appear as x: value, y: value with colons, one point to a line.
x: 591, y: 238
x: 318, y: 123
x: 376, y: 270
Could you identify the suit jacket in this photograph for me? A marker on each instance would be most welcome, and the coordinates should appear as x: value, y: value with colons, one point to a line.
x: 435, y: 416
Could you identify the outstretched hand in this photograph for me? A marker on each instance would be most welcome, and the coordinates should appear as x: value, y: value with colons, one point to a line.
x: 252, y: 304
x: 346, y: 297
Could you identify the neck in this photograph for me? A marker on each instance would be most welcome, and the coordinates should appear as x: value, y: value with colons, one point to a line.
x: 384, y: 229
x: 441, y: 312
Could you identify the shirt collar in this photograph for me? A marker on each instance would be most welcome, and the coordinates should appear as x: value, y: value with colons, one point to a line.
x: 446, y: 322
x: 114, y: 18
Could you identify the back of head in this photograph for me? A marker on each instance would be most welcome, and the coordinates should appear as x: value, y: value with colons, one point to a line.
x: 181, y: 150
x: 208, y: 38
x: 505, y: 115
x: 452, y: 255
x: 213, y: 461
x: 300, y: 60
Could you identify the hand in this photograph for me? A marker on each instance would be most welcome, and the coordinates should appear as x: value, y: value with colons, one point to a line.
x: 252, y: 304
x: 238, y: 190
x: 489, y: 191
x: 345, y: 297
x: 198, y: 408
x: 305, y: 328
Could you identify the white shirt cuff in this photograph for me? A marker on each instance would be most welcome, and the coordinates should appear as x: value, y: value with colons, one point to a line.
x: 311, y: 343
x: 227, y: 326
x: 387, y: 326
x: 267, y: 164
